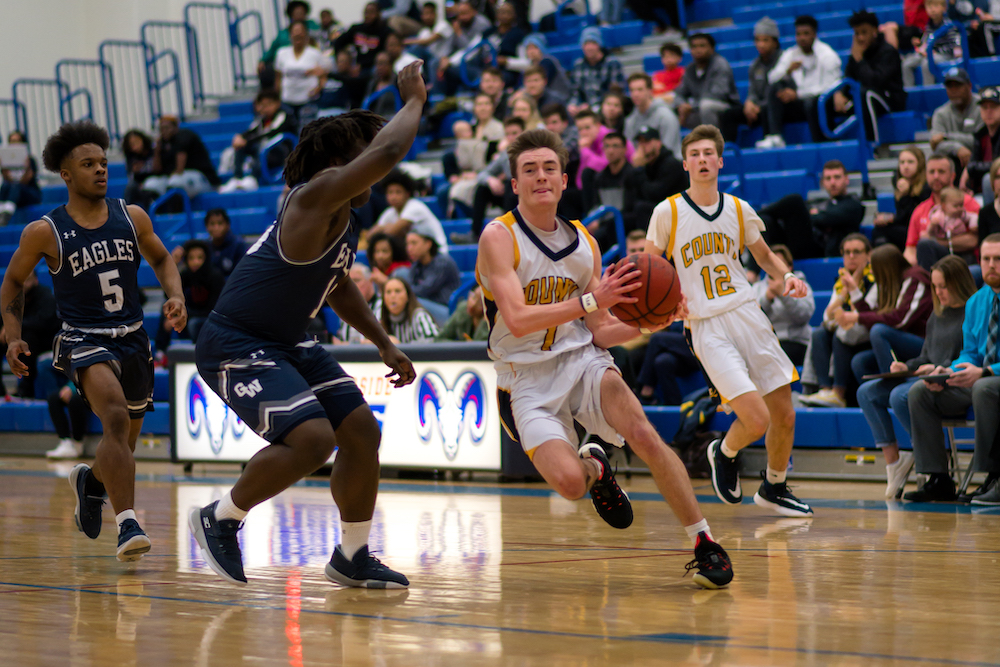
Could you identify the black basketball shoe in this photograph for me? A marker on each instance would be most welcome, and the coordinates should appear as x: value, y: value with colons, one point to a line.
x: 132, y: 541
x: 779, y: 498
x: 362, y: 571
x: 725, y: 474
x: 611, y: 502
x: 89, y: 500
x: 218, y: 542
x: 715, y: 570
x: 939, y: 487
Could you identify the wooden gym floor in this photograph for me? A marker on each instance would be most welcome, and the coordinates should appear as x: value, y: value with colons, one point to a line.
x: 500, y: 575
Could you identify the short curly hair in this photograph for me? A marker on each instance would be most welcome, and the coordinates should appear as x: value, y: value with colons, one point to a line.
x: 68, y: 138
x: 326, y: 138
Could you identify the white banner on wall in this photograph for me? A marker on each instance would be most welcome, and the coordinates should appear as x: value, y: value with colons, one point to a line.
x: 446, y: 419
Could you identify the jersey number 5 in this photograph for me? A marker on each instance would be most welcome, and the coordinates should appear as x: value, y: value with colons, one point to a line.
x: 722, y: 286
x: 114, y: 297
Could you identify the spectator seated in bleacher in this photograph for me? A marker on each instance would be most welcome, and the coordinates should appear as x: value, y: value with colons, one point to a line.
x: 984, y: 37
x: 398, y: 56
x: 658, y: 174
x: 831, y: 342
x: 754, y: 109
x: 329, y: 30
x: 968, y: 14
x: 914, y: 22
x: 789, y: 316
x: 467, y: 28
x: 19, y: 186
x: 816, y: 229
x: 505, y: 35
x: 295, y: 10
x: 708, y: 89
x: 523, y: 107
x: 534, y: 47
x: 952, y: 287
x: 180, y: 160
x: 985, y: 145
x: 556, y: 119
x: 433, y: 274
x: 666, y: 358
x: 922, y: 247
x: 536, y: 88
x: 345, y: 86
x: 471, y: 155
x: 897, y: 323
x: 382, y: 77
x: 468, y: 322
x: 910, y: 189
x: 954, y: 123
x: 202, y: 284
x: 387, y: 258
x: 403, y: 316
x: 989, y: 216
x: 402, y: 16
x: 405, y: 213
x: 269, y: 123
x: 367, y: 39
x: 594, y: 74
x: 493, y: 182
x: 69, y: 414
x: 665, y: 81
x: 300, y: 72
x: 612, y: 113
x: 802, y: 74
x: 430, y: 42
x: 654, y: 11
x: 877, y: 67
x: 226, y: 247
x: 607, y: 188
x: 39, y: 325
x: 974, y: 383
x: 491, y: 83
x: 650, y: 112
x: 592, y: 134
x: 949, y: 218
x: 361, y: 275
x: 137, y: 147
x: 947, y: 48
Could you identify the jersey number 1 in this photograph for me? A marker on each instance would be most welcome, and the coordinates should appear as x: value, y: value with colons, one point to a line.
x: 114, y: 297
x: 722, y: 282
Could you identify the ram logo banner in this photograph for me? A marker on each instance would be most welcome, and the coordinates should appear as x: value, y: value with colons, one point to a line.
x: 209, y: 413
x: 451, y: 412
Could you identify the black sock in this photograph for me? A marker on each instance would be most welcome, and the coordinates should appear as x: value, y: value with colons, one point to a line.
x: 94, y: 487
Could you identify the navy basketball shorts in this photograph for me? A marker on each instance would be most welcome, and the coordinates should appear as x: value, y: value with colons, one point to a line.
x: 129, y: 356
x: 274, y: 387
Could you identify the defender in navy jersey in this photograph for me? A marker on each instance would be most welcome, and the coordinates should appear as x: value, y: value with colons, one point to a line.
x: 92, y: 247
x: 254, y: 353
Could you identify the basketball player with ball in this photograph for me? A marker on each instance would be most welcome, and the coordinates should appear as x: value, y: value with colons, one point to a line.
x: 547, y: 305
x: 704, y: 233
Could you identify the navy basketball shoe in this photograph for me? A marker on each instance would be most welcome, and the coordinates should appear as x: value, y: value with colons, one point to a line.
x: 89, y: 500
x: 777, y: 497
x: 362, y: 571
x: 218, y: 542
x: 132, y: 541
x: 712, y: 562
x: 725, y: 474
x: 612, y: 504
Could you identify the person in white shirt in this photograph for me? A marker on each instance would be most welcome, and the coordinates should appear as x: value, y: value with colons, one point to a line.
x: 300, y: 71
x: 406, y: 214
x: 801, y: 75
x: 433, y: 37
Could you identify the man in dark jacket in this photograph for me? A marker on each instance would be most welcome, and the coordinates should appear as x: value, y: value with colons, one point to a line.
x: 367, y: 38
x: 227, y: 248
x: 708, y: 89
x: 816, y: 229
x: 270, y: 122
x: 875, y: 65
x: 38, y: 328
x: 985, y: 146
x: 658, y: 175
x: 754, y: 110
x: 607, y: 188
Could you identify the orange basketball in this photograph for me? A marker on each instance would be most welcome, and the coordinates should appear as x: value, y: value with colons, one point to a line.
x: 658, y: 296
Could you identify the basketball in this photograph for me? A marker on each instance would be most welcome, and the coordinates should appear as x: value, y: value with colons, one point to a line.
x: 658, y: 296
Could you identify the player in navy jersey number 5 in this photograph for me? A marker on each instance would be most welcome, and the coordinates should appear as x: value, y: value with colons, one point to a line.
x: 254, y: 353
x: 92, y: 247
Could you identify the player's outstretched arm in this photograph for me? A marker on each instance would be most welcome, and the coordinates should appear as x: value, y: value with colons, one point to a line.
x: 330, y: 189
x: 37, y: 242
x: 775, y: 266
x: 350, y: 305
x: 163, y: 265
x: 496, y: 263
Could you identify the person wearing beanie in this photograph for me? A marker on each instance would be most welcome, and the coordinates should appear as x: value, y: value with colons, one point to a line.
x: 593, y: 74
x: 534, y: 51
x: 708, y: 89
x: 754, y: 110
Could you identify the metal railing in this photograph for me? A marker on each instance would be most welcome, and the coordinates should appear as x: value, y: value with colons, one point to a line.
x: 41, y: 100
x: 854, y: 125
x: 965, y: 61
x: 134, y: 100
x: 247, y: 37
x: 180, y: 38
x: 91, y: 94
x: 211, y: 25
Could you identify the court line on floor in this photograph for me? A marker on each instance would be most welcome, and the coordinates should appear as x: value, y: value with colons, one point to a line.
x: 654, y: 638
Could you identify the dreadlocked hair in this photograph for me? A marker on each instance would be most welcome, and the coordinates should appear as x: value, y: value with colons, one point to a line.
x: 324, y: 139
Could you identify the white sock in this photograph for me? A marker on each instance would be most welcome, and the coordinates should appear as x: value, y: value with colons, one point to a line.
x: 728, y: 453
x: 122, y: 516
x: 227, y: 509
x: 700, y: 527
x: 354, y: 535
x: 776, y: 476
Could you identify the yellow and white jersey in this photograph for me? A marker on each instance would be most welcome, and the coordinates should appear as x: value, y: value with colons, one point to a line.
x: 552, y: 267
x: 705, y: 247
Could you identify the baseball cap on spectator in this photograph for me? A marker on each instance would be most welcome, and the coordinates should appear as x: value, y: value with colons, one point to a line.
x: 592, y: 34
x: 647, y: 133
x: 989, y: 94
x: 956, y: 75
x: 766, y: 27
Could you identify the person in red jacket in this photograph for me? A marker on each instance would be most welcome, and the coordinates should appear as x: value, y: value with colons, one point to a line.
x: 898, y: 324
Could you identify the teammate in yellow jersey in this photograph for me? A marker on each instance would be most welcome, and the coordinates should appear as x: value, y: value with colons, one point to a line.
x: 546, y: 303
x: 704, y: 232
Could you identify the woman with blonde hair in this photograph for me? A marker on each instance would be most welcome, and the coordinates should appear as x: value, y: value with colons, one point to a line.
x: 952, y: 286
x: 910, y: 185
x: 523, y: 107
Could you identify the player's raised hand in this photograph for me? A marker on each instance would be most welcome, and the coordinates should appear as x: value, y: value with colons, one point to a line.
x: 795, y: 287
x: 176, y: 313
x: 402, y: 368
x: 616, y: 284
x: 15, y: 349
x: 411, y: 83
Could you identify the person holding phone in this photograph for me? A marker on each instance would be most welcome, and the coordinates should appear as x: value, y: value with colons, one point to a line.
x: 20, y: 177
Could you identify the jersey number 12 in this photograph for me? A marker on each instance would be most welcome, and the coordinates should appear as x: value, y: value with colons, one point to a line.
x: 722, y: 282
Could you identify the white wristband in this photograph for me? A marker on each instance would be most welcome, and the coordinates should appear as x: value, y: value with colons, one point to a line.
x: 645, y: 330
x: 589, y: 302
x: 787, y: 276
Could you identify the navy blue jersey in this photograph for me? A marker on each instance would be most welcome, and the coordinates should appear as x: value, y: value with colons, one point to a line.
x: 96, y: 278
x: 275, y: 297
